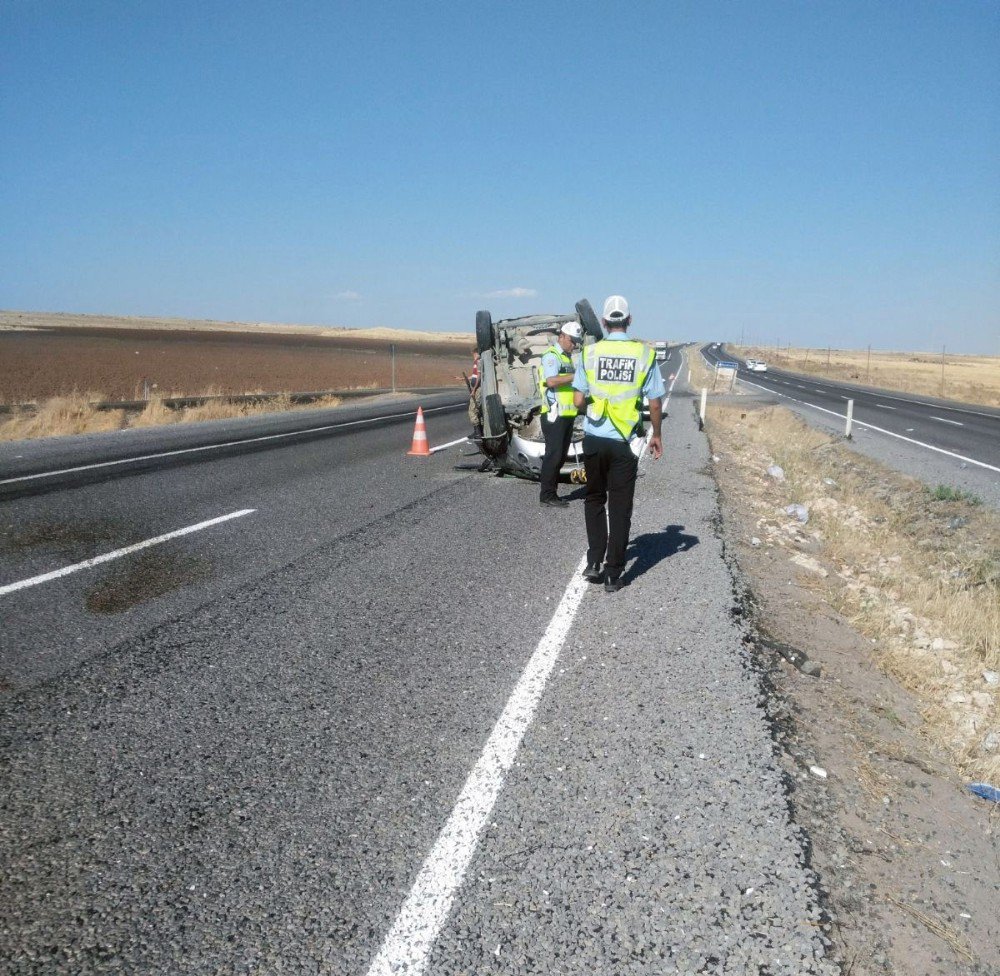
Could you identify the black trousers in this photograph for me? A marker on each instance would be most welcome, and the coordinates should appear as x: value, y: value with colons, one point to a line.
x: 611, y: 470
x: 558, y: 434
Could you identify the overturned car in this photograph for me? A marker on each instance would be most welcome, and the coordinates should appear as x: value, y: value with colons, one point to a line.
x: 506, y: 405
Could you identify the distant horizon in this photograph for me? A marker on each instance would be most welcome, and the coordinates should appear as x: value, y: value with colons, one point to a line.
x: 471, y: 332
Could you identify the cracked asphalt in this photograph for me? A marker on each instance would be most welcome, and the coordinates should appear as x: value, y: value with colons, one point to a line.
x: 242, y: 770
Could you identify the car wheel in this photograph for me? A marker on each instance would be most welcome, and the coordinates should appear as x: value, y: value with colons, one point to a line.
x: 588, y: 319
x: 495, y: 438
x: 484, y: 331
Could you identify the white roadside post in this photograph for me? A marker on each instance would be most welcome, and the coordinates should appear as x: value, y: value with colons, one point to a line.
x: 704, y: 398
x: 850, y: 419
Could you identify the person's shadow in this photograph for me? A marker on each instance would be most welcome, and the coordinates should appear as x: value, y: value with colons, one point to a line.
x: 654, y: 547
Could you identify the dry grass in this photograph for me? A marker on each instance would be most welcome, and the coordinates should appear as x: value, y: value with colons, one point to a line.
x: 702, y: 377
x: 971, y: 379
x: 58, y: 416
x: 918, y: 575
x: 71, y: 414
x: 945, y: 932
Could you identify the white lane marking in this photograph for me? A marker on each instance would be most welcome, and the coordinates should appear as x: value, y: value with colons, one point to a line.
x: 886, y: 395
x: 441, y: 447
x: 212, y: 447
x: 883, y: 406
x: 881, y: 430
x: 118, y: 553
x: 670, y: 389
x: 800, y: 386
x: 408, y: 945
x: 944, y: 420
x: 822, y: 392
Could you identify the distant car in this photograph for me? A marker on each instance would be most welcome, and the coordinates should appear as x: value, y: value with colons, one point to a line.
x: 510, y: 358
x: 756, y: 366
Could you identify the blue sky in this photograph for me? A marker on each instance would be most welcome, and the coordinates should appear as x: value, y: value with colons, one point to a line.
x: 812, y: 171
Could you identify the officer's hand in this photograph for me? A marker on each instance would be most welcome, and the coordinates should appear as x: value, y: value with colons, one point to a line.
x: 655, y: 447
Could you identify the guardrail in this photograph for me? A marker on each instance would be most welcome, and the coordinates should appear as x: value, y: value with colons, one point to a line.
x: 180, y: 403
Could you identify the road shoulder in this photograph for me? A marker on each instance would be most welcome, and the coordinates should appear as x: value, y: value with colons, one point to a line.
x: 906, y: 855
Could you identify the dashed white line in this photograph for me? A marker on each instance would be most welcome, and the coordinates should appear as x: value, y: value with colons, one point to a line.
x: 118, y: 553
x: 883, y: 406
x: 881, y: 430
x: 212, y: 447
x: 945, y: 420
x: 408, y: 945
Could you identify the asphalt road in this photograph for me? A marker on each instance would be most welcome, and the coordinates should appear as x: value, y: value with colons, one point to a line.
x: 374, y: 723
x: 965, y: 432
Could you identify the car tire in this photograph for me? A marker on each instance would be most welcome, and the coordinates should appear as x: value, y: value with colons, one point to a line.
x: 495, y: 439
x: 588, y: 319
x: 495, y: 420
x: 484, y: 331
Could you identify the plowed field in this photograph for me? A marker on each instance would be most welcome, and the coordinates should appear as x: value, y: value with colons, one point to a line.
x: 115, y: 362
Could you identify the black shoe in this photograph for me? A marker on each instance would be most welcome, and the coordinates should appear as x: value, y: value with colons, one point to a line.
x: 555, y: 502
x: 613, y: 584
x: 593, y: 573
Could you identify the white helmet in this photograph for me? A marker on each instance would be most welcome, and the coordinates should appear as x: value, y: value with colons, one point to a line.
x: 574, y: 330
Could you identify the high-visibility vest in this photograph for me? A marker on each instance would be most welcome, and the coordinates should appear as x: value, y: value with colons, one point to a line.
x: 616, y: 373
x: 563, y: 394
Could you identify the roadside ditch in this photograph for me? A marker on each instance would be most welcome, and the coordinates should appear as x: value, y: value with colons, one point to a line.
x: 873, y: 609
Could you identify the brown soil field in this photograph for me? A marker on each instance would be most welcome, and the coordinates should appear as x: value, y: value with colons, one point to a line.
x: 112, y: 362
x: 970, y: 379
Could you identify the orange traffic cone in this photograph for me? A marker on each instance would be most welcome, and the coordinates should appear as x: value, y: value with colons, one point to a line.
x: 420, y: 447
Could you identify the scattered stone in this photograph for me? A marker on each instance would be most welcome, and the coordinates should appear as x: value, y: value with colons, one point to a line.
x: 982, y: 699
x: 947, y: 667
x: 958, y: 522
x: 992, y: 678
x: 824, y: 505
x: 799, y: 511
x: 818, y: 771
x: 808, y: 563
x: 991, y: 743
x: 830, y: 482
x: 812, y: 668
x: 776, y: 472
x: 940, y: 644
x: 754, y: 541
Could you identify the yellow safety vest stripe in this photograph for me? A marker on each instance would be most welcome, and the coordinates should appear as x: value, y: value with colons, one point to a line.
x: 619, y: 401
x: 563, y: 394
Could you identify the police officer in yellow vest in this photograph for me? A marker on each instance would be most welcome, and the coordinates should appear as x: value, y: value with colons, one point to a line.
x: 558, y: 409
x: 613, y: 376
